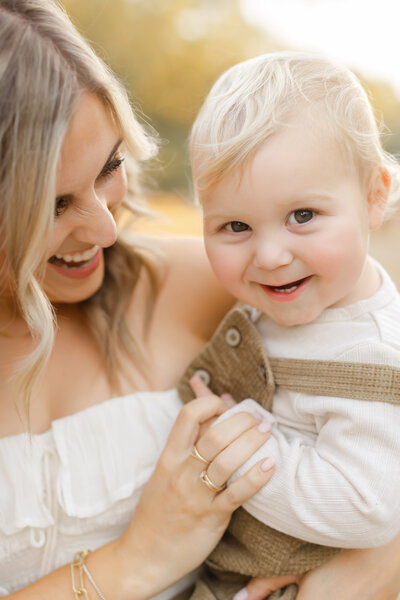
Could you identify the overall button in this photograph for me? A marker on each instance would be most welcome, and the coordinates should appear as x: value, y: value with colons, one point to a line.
x: 233, y: 337
x: 204, y: 375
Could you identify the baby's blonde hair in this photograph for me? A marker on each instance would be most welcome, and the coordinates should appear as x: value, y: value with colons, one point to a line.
x: 254, y: 99
x: 45, y: 66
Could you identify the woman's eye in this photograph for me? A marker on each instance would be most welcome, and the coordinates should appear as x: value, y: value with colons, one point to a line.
x: 237, y: 227
x: 112, y: 166
x: 297, y: 217
x: 60, y: 206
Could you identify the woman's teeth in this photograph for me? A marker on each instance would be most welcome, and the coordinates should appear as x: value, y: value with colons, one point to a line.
x: 78, y: 257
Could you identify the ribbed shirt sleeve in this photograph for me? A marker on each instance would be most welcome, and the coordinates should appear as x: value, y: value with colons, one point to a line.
x: 337, y: 480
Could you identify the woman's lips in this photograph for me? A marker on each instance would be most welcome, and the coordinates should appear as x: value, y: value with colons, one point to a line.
x: 287, y: 292
x: 76, y: 270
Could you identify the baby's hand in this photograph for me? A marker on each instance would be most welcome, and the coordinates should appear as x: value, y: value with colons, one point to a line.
x: 260, y: 587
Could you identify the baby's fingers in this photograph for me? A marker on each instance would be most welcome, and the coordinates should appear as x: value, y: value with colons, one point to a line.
x: 260, y: 587
x: 246, y: 486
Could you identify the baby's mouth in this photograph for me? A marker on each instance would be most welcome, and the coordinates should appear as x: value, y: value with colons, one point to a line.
x: 287, y: 288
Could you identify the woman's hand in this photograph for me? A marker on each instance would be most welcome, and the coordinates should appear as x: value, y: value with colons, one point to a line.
x: 179, y: 519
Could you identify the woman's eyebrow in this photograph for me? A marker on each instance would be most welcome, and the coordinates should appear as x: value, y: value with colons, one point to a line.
x: 113, y: 151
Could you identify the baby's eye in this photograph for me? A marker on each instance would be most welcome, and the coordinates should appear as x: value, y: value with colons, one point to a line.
x: 297, y: 217
x: 60, y: 206
x: 237, y: 226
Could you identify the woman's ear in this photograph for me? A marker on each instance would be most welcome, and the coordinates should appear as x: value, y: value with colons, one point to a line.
x: 378, y: 193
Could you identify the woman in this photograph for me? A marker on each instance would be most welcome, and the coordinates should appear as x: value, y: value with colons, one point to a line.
x: 95, y: 332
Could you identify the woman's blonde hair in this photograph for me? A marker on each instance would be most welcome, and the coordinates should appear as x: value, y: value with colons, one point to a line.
x: 45, y: 66
x: 255, y: 98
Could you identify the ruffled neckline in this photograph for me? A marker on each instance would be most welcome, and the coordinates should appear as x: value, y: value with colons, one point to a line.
x: 93, y: 458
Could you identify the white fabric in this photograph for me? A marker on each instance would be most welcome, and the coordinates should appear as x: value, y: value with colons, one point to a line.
x: 337, y: 480
x: 77, y: 485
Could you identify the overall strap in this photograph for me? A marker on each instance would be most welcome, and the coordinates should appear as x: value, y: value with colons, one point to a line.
x: 360, y: 381
x: 235, y: 361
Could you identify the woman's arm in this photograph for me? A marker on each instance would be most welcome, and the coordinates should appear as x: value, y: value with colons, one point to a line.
x: 179, y: 519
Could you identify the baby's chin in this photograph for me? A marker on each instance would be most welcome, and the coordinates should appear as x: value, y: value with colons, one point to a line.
x: 290, y: 318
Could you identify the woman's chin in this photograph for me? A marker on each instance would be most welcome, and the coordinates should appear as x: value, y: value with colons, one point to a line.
x: 61, y: 288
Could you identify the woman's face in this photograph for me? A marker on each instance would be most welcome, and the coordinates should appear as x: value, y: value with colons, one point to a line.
x: 91, y: 183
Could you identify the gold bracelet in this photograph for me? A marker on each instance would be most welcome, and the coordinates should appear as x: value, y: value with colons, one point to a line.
x: 78, y: 562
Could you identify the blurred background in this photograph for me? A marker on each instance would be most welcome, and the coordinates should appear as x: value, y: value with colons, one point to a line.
x: 169, y: 52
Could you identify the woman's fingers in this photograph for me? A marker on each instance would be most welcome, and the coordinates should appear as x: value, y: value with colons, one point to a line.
x: 187, y: 425
x: 228, y: 460
x: 260, y: 587
x: 246, y: 486
x: 199, y: 387
x: 221, y: 435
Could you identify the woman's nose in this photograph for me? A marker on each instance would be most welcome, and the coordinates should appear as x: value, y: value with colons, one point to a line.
x: 97, y: 225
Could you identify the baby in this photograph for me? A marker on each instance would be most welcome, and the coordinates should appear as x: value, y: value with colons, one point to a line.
x: 291, y: 175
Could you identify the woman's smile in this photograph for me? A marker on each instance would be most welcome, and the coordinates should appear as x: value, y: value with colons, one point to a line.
x: 77, y: 265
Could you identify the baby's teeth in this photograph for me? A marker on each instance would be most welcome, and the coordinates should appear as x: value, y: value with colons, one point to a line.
x: 286, y: 290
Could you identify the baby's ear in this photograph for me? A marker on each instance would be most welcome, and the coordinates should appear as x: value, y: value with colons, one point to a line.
x: 378, y: 193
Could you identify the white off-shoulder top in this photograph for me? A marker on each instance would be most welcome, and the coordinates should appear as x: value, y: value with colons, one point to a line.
x: 77, y: 485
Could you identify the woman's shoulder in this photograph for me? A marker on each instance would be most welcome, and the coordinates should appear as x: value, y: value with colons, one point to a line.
x: 189, y: 290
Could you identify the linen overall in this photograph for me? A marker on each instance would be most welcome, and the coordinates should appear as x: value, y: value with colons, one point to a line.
x: 235, y: 361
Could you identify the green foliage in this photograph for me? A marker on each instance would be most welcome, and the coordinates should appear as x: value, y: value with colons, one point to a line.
x: 169, y: 52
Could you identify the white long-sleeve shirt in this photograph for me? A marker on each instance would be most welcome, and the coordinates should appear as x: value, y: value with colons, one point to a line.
x: 337, y: 480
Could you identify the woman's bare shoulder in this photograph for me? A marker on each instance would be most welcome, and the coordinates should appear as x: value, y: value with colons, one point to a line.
x: 190, y: 290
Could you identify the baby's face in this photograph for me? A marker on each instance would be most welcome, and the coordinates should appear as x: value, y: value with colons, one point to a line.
x: 289, y: 232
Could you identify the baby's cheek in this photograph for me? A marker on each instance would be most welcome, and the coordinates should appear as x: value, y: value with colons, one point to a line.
x: 226, y: 266
x: 339, y: 260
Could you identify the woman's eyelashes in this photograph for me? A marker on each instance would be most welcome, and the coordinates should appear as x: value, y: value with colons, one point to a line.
x: 236, y: 227
x: 112, y: 166
x: 109, y: 168
x: 60, y: 206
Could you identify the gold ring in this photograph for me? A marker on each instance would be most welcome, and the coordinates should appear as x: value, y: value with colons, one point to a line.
x: 196, y: 454
x: 211, y: 486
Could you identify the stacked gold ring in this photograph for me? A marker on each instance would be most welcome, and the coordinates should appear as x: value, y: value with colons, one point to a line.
x: 210, y: 484
x: 196, y: 454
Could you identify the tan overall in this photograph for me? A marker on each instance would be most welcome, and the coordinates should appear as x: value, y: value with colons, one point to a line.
x: 235, y: 361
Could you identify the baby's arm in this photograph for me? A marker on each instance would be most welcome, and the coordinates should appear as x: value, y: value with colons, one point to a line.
x: 342, y: 488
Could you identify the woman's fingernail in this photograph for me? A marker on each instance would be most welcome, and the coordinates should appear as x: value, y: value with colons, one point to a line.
x: 194, y: 379
x: 229, y: 401
x: 241, y: 594
x: 257, y: 415
x: 264, y: 427
x: 227, y: 398
x: 267, y: 464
